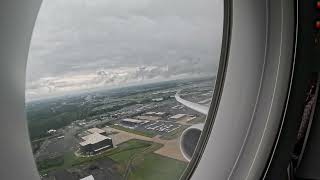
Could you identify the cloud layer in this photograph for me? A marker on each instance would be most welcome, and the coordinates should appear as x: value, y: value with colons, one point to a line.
x: 83, y: 44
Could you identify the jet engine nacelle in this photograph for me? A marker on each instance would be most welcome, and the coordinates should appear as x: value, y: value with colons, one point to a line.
x: 189, y: 140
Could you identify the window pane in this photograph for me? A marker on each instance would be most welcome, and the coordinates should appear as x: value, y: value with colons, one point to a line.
x: 113, y: 86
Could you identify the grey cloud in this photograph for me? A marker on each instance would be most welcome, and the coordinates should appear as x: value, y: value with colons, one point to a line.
x: 75, y: 38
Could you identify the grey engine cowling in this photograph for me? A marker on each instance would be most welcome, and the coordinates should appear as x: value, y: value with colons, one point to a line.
x: 189, y: 140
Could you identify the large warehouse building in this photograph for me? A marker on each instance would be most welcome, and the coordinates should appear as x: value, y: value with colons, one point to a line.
x: 131, y: 122
x: 95, y: 143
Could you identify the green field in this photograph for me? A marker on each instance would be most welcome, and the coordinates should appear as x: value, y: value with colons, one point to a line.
x: 147, y: 165
x: 157, y: 167
x: 52, y: 162
x: 69, y: 159
x: 136, y: 153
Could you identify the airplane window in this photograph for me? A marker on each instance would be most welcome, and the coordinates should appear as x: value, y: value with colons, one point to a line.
x: 120, y: 89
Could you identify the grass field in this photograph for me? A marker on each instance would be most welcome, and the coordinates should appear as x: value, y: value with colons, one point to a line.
x: 120, y: 153
x: 135, y: 159
x: 157, y: 167
x: 52, y: 162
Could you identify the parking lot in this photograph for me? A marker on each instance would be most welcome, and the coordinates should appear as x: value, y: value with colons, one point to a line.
x: 159, y: 127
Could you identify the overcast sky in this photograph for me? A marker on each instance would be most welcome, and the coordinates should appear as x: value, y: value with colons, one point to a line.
x: 84, y: 44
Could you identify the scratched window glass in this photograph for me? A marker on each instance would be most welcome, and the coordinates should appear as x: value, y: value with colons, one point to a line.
x: 120, y: 89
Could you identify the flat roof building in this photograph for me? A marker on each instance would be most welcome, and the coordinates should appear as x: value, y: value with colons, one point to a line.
x: 155, y: 113
x: 131, y: 122
x: 51, y: 131
x: 93, y: 139
x: 160, y: 113
x: 95, y: 143
x: 157, y: 99
x: 149, y: 118
x: 96, y: 130
x: 150, y: 113
x: 178, y: 116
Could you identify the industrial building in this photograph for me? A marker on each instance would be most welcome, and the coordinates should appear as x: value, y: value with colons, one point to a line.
x: 95, y: 143
x: 149, y: 118
x: 131, y: 122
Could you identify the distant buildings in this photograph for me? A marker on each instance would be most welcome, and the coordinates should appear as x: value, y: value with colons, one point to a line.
x: 149, y: 118
x: 160, y: 113
x: 178, y: 107
x: 51, y: 131
x: 95, y: 142
x: 178, y: 117
x: 150, y: 113
x: 157, y: 99
x: 131, y: 122
x: 155, y: 113
x: 60, y: 137
x: 81, y: 122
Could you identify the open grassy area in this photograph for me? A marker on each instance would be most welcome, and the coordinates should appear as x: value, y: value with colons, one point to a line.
x: 123, y: 151
x: 157, y: 167
x: 126, y: 157
x: 52, y: 162
x: 136, y: 154
x: 142, y: 133
x: 120, y: 154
